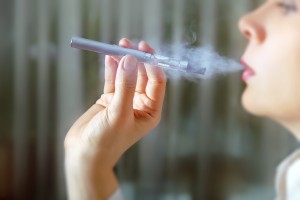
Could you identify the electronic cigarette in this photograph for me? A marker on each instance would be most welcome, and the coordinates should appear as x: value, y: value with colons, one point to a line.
x: 153, y: 59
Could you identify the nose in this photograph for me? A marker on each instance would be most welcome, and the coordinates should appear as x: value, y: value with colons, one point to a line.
x: 251, y: 26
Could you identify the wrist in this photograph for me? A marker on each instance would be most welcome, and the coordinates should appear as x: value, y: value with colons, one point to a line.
x: 86, y: 178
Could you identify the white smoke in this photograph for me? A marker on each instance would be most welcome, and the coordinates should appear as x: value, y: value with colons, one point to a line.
x: 198, y: 58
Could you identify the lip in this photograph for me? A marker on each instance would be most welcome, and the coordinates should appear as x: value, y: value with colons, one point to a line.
x: 248, y: 71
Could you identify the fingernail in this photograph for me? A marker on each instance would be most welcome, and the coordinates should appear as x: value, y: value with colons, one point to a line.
x: 130, y: 63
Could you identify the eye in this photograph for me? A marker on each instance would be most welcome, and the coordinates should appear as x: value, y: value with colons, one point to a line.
x: 288, y: 7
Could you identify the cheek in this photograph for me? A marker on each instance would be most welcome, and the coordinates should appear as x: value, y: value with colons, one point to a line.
x: 288, y: 92
x: 289, y: 96
x: 263, y: 88
x: 275, y: 91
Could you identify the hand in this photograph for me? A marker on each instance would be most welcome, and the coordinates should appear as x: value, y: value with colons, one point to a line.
x: 130, y: 107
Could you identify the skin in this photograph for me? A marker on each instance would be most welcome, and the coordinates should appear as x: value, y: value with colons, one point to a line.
x: 133, y: 95
x: 129, y: 108
x: 273, y: 52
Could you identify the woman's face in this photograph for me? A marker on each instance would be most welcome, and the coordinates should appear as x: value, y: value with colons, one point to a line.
x: 272, y: 60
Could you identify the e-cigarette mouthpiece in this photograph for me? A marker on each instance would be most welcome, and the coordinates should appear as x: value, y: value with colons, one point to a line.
x: 154, y: 59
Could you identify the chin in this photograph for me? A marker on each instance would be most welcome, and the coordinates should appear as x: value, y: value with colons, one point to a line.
x: 251, y: 105
x: 257, y: 104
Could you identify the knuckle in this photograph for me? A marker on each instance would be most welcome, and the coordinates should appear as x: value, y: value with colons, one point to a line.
x: 159, y: 80
x: 103, y: 101
x: 128, y: 84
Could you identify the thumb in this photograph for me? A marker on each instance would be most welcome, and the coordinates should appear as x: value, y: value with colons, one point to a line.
x: 125, y: 84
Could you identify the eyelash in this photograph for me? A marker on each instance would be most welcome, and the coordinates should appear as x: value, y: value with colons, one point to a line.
x: 288, y: 7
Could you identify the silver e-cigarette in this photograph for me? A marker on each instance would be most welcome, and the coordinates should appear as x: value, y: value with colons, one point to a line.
x: 153, y: 59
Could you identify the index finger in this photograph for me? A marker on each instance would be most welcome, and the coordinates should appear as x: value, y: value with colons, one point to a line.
x: 125, y: 43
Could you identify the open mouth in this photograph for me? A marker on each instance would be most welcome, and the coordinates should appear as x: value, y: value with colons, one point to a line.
x: 248, y: 71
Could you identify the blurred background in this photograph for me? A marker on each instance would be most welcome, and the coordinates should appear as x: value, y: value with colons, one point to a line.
x: 206, y: 147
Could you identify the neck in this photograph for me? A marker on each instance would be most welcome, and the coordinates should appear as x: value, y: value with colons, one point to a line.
x: 294, y: 127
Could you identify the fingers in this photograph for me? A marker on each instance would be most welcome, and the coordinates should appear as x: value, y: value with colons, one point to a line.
x: 142, y: 74
x: 129, y: 77
x: 124, y: 42
x: 151, y: 79
x: 111, y: 67
x: 142, y: 79
x: 143, y: 46
x: 156, y: 84
x: 125, y: 85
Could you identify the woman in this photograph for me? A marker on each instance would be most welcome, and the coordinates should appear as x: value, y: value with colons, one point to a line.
x: 133, y: 95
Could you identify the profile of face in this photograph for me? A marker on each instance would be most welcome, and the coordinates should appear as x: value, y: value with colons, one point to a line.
x: 272, y: 60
